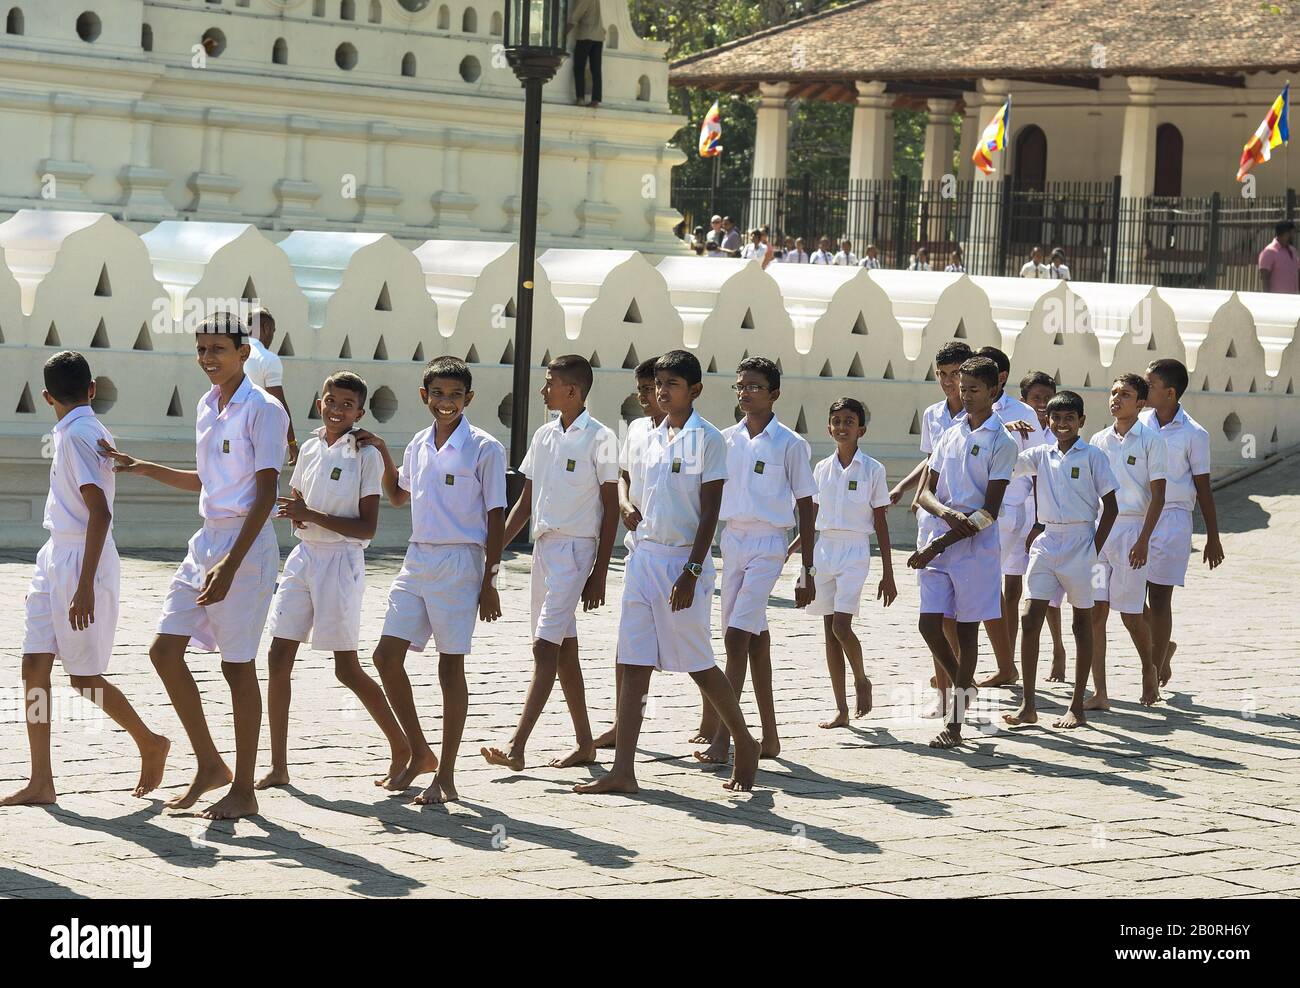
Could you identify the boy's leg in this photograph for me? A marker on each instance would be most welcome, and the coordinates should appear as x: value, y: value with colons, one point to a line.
x: 760, y: 663
x: 610, y: 737
x: 1100, y: 699
x: 1160, y: 618
x: 246, y: 704
x: 279, y: 689
x: 348, y: 671
x: 717, y: 690
x: 634, y: 690
x: 1031, y: 628
x: 835, y: 669
x: 168, y: 656
x: 1139, y: 629
x: 153, y: 747
x: 545, y: 659
x: 964, y: 690
x: 842, y: 625
x: 1057, y: 674
x: 390, y: 661
x: 931, y: 626
x: 1012, y: 588
x: 1083, y: 638
x: 575, y: 698
x: 37, y: 713
x: 455, y: 708
x: 737, y: 643
x: 1000, y: 640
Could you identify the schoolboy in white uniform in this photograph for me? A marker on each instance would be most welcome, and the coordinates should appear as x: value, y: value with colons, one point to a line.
x: 72, y: 602
x: 221, y: 593
x: 571, y: 495
x: 852, y: 502
x: 769, y: 481
x: 454, y: 478
x: 1074, y: 478
x: 668, y: 585
x: 265, y: 369
x: 968, y: 473
x: 334, y: 507
x: 1187, y: 484
x: 1137, y: 457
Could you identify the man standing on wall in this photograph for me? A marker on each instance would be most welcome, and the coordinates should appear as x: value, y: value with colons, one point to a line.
x: 589, y: 40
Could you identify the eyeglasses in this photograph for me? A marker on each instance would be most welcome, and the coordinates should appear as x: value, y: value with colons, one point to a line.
x: 748, y: 389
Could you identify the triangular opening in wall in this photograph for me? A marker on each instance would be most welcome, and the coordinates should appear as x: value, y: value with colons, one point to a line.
x: 174, y: 409
x: 346, y: 349
x: 100, y: 340
x: 1252, y: 389
x: 633, y: 314
x: 103, y: 288
x: 508, y: 354
x: 286, y: 347
x: 384, y: 303
x: 748, y: 321
x: 1087, y: 380
x: 779, y: 368
x: 915, y: 428
x: 2, y: 334
x: 595, y: 359
x: 826, y: 370
x: 315, y: 409
x: 546, y: 359
x: 713, y: 366
x: 250, y: 291
x: 960, y: 332
x: 472, y: 356
x: 1228, y: 386
x: 1057, y: 377
x: 25, y: 404
x: 419, y: 352
x: 1290, y: 386
x: 859, y: 326
x: 889, y: 371
x: 801, y: 423
x: 1151, y: 344
x: 855, y: 368
x: 52, y: 337
x: 929, y: 373
x: 745, y: 355
x: 1274, y: 439
x: 630, y: 361
x: 1232, y: 349
x: 1205, y: 385
x: 381, y: 349
x: 143, y: 341
x: 1058, y: 339
x: 509, y: 310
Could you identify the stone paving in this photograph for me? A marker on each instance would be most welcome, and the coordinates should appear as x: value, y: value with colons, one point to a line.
x: 1199, y: 797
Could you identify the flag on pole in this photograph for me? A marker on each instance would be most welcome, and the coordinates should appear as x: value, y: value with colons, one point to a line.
x: 711, y: 132
x: 1272, y: 132
x: 993, y: 139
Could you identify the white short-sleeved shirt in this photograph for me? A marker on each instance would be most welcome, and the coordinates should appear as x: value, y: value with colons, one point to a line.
x: 631, y: 456
x: 1070, y: 484
x: 822, y: 257
x: 935, y: 421
x: 453, y: 489
x: 233, y: 444
x: 841, y: 258
x: 1010, y: 409
x: 754, y: 252
x: 766, y: 474
x: 967, y: 459
x: 675, y: 469
x: 567, y: 467
x: 1031, y: 270
x: 1187, y: 448
x: 1136, y: 458
x: 871, y: 263
x: 333, y: 480
x: 794, y: 257
x: 263, y: 367
x: 848, y: 496
x: 76, y: 463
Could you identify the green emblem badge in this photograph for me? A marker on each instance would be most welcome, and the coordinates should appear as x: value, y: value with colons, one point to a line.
x: 677, y: 466
x: 1074, y: 473
x: 571, y: 465
x: 1132, y: 460
x: 975, y: 450
x: 758, y: 467
x: 451, y: 480
x: 225, y: 445
x: 853, y: 485
x: 336, y: 473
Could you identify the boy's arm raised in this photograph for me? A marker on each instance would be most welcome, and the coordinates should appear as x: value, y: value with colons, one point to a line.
x: 397, y: 497
x: 185, y: 480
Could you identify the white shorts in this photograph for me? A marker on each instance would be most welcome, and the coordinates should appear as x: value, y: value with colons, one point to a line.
x: 319, y: 598
x: 47, y: 630
x: 751, y: 565
x: 842, y: 562
x: 561, y: 566
x: 436, y: 596
x: 1171, y: 545
x: 1122, y: 586
x: 1014, y: 524
x: 650, y: 632
x: 1064, y: 558
x: 965, y: 581
x: 233, y: 626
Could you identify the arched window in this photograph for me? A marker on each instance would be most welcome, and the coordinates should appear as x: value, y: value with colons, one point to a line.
x: 469, y: 22
x: 408, y: 65
x: 643, y: 89
x: 1031, y: 159
x: 348, y: 10
x: 1169, y: 161
x: 146, y: 37
x: 611, y: 38
x: 14, y: 22
x: 444, y: 18
x: 495, y: 25
x: 318, y: 8
x: 280, y: 52
x: 376, y: 12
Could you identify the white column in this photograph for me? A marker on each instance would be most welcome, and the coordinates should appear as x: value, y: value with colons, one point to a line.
x: 937, y: 160
x: 62, y: 177
x: 870, y: 149
x: 970, y: 132
x: 451, y: 206
x: 771, y: 147
x: 378, y: 200
x: 982, y: 248
x: 297, y: 197
x: 214, y: 191
x: 144, y: 186
x: 596, y: 217
x: 1137, y: 157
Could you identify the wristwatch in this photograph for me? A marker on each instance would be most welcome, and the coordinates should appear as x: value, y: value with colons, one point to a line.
x: 810, y: 570
x: 695, y: 569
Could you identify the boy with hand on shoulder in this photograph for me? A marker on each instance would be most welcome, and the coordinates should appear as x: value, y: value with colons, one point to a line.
x: 72, y: 603
x: 453, y: 476
x: 852, y: 502
x: 1137, y: 457
x: 1074, y: 478
x: 221, y: 593
x: 668, y: 587
x: 571, y: 495
x: 769, y: 481
x: 1187, y: 484
x: 959, y: 577
x: 333, y: 503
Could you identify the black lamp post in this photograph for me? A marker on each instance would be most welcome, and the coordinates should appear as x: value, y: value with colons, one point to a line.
x: 534, y: 47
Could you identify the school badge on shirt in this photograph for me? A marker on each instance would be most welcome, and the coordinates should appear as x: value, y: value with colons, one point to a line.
x: 1074, y: 473
x: 570, y: 466
x: 225, y: 445
x: 677, y: 466
x: 336, y: 473
x: 975, y: 450
x: 451, y: 480
x: 759, y: 466
x: 1132, y: 460
x: 853, y: 485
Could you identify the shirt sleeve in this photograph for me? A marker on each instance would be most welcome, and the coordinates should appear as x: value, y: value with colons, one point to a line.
x: 492, y: 475
x: 713, y: 457
x: 1002, y: 459
x: 1026, y: 465
x: 269, y: 427
x: 818, y: 478
x: 879, y: 488
x: 295, y: 479
x: 272, y: 371
x: 1198, y: 453
x: 1266, y: 260
x: 404, y: 471
x: 798, y: 467
x: 1158, y: 459
x: 1103, y: 478
x: 927, y: 445
x: 526, y: 468
x: 372, y: 471
x: 84, y: 462
x: 607, y: 457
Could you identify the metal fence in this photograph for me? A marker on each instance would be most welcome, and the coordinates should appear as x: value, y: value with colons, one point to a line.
x: 1192, y: 241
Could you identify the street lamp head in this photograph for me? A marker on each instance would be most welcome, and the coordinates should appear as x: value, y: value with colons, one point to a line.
x: 535, y: 27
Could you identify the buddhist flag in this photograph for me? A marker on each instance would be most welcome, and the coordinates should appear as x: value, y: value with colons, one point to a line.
x: 993, y: 139
x: 1272, y: 132
x: 711, y: 133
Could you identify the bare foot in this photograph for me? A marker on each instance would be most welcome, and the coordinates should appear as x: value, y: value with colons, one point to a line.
x: 746, y: 768
x: 1025, y: 715
x: 273, y: 778
x: 935, y: 709
x: 1072, y: 718
x: 1000, y: 678
x: 205, y: 780
x: 949, y: 737
x: 1058, y: 672
x: 440, y: 791
x: 421, y: 764
x: 32, y: 794
x: 863, y: 705
x: 609, y: 783
x: 495, y: 756
x: 934, y: 682
x: 769, y: 749
x: 578, y: 756
x: 1166, y: 672
x: 1098, y: 701
x: 232, y: 806
x: 153, y: 759
x: 701, y: 738
x: 1150, y: 691
x: 606, y: 740
x: 715, y: 754
x: 841, y: 719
